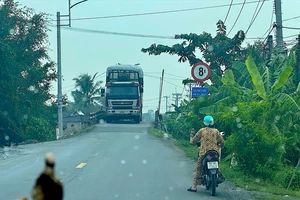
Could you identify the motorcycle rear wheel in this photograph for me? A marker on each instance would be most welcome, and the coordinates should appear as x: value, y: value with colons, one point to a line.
x: 213, y: 185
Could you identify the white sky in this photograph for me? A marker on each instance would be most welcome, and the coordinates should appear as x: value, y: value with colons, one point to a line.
x: 91, y: 53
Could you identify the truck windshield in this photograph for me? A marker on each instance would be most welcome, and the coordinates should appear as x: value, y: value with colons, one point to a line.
x: 122, y: 92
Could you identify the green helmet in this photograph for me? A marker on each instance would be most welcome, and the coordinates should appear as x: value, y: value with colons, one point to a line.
x: 208, y: 121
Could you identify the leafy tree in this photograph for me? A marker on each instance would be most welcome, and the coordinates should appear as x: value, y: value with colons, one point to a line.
x: 220, y: 51
x: 87, y: 92
x: 25, y: 69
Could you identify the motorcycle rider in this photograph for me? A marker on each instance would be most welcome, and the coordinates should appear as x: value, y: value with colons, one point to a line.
x: 211, y: 139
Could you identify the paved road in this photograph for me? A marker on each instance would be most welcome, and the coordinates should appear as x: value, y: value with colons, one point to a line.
x: 112, y: 162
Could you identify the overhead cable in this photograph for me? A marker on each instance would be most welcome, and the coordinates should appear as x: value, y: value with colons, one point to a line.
x: 254, y: 13
x: 294, y: 28
x: 291, y: 36
x: 117, y: 33
x: 271, y: 23
x: 157, y: 12
x: 269, y: 34
x: 291, y: 18
x: 228, y: 11
x: 254, y: 16
x: 237, y: 17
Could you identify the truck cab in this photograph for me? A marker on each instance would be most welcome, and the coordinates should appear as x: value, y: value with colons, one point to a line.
x: 124, y: 93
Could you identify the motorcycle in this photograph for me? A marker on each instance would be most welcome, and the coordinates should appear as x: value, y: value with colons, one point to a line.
x: 212, y: 177
x: 211, y: 174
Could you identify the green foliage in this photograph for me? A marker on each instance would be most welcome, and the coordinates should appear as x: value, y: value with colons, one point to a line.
x: 38, y: 129
x: 296, y: 180
x: 258, y: 150
x: 256, y: 78
x: 87, y: 93
x: 25, y: 69
x: 261, y: 123
x: 156, y: 132
x: 218, y: 51
x: 255, y: 102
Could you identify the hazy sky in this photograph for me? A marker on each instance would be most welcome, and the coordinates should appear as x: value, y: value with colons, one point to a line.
x: 93, y: 52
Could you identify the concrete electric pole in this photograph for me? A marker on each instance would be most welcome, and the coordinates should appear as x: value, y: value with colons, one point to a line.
x: 59, y: 73
x: 298, y: 62
x: 166, y: 97
x: 269, y: 46
x: 177, y: 97
x: 279, y: 35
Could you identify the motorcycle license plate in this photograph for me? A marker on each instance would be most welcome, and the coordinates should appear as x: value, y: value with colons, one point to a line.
x: 212, y: 165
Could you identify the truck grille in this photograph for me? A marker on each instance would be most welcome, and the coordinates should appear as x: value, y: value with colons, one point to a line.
x: 122, y: 107
x: 122, y: 103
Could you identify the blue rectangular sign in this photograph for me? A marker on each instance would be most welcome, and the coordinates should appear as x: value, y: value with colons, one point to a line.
x: 197, y: 91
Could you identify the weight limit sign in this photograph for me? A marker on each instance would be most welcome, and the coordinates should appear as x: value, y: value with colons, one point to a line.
x: 200, y: 72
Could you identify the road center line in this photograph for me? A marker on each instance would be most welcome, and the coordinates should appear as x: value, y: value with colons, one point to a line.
x: 81, y: 165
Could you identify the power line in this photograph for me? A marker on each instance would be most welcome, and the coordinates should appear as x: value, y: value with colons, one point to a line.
x: 228, y: 11
x: 175, y: 75
x: 174, y: 84
x: 157, y: 12
x: 164, y: 80
x: 117, y: 33
x: 268, y: 34
x: 254, y: 16
x: 180, y: 78
x: 130, y: 35
x: 151, y: 99
x: 271, y: 23
x: 291, y: 36
x: 237, y: 17
x: 100, y: 75
x: 254, y: 38
x: 294, y: 28
x: 165, y: 73
x: 291, y: 18
x: 66, y: 87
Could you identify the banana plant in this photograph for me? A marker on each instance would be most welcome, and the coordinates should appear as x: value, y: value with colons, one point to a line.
x: 229, y: 93
x: 268, y: 86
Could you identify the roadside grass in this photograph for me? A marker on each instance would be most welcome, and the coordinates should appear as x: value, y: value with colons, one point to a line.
x: 237, y: 177
x: 265, y: 197
x: 257, y: 184
x: 156, y: 132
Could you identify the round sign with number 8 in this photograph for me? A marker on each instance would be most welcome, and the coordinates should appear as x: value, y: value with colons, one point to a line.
x: 200, y: 72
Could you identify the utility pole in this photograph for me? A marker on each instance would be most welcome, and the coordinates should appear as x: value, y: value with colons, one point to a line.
x: 157, y: 112
x: 59, y: 85
x: 160, y: 90
x: 166, y: 97
x: 59, y: 72
x: 298, y: 62
x: 177, y: 96
x: 188, y: 82
x: 279, y: 36
x: 270, y: 47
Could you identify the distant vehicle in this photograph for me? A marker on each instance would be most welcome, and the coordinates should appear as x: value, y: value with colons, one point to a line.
x: 124, y: 92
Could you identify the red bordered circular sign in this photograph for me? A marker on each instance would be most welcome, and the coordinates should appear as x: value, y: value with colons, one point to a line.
x: 200, y: 72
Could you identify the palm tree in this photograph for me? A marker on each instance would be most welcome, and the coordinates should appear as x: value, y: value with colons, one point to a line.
x: 87, y: 92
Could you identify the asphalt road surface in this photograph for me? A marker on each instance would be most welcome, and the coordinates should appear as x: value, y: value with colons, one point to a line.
x: 111, y: 162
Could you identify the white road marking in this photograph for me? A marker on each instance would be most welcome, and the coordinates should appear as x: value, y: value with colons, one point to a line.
x: 81, y: 165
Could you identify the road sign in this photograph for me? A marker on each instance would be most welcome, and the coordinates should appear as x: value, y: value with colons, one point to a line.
x: 197, y: 91
x: 200, y: 72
